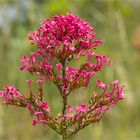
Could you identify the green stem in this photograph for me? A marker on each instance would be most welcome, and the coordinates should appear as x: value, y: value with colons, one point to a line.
x: 64, y: 138
x: 64, y: 69
x: 64, y: 104
x: 64, y: 97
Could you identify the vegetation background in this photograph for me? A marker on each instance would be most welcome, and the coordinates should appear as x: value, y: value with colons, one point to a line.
x: 117, y: 22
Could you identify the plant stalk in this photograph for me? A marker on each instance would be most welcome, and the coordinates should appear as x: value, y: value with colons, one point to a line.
x: 64, y: 138
x: 64, y: 97
x: 64, y: 104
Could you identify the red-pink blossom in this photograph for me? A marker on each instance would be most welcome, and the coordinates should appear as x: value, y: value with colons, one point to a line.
x: 26, y: 64
x: 29, y: 81
x: 98, y: 110
x: 121, y: 95
x: 70, y: 109
x: 38, y: 113
x: 9, y: 92
x: 33, y: 57
x: 34, y: 122
x: 59, y: 66
x: 82, y: 108
x: 106, y: 108
x: 101, y: 84
x: 1, y: 93
x: 45, y: 106
x: 40, y: 80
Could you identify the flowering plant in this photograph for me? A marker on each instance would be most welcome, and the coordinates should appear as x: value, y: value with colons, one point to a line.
x: 59, y: 41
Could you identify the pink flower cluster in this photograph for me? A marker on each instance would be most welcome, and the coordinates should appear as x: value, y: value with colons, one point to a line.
x: 10, y: 93
x: 41, y: 113
x: 64, y: 36
x: 98, y: 103
x: 58, y: 41
x: 40, y: 109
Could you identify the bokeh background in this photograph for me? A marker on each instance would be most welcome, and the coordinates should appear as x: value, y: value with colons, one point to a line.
x: 117, y: 22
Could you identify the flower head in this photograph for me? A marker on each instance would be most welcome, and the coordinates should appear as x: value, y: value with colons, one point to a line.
x: 34, y: 122
x: 101, y: 84
x: 45, y: 106
x: 82, y: 108
x: 63, y: 36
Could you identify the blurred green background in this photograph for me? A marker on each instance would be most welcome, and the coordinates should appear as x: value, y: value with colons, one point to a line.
x: 117, y: 22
